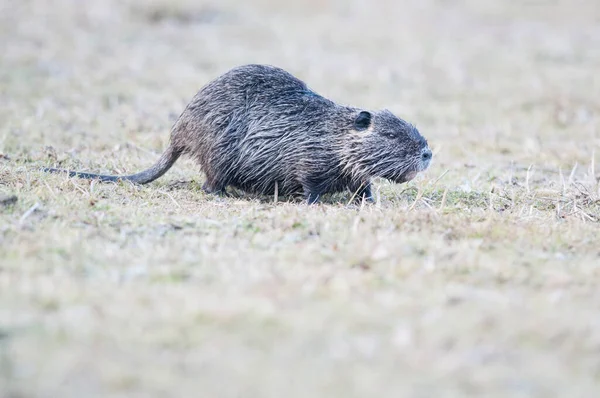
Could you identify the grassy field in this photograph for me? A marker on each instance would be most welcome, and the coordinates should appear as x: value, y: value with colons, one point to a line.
x: 480, y: 278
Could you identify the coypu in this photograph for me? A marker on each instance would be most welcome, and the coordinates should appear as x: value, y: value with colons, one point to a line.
x: 262, y: 130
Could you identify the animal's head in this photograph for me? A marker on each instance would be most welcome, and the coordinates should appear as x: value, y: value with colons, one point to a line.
x: 383, y: 145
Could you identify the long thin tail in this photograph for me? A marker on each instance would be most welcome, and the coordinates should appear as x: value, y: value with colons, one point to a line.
x: 167, y: 159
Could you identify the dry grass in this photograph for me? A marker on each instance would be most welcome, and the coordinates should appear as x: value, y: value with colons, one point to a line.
x: 478, y: 279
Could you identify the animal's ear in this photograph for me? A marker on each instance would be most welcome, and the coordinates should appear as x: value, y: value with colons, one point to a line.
x: 362, y: 121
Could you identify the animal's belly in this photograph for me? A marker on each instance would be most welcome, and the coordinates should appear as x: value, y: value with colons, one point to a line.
x: 268, y: 185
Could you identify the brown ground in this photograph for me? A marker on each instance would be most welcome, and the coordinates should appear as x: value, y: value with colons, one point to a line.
x: 478, y: 279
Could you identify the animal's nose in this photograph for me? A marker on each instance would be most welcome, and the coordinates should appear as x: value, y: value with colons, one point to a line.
x: 426, y: 154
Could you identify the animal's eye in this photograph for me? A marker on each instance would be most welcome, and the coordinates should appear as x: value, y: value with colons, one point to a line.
x: 391, y: 136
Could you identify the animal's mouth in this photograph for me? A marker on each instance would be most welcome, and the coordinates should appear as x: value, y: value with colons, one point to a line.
x: 406, y: 176
x: 422, y: 165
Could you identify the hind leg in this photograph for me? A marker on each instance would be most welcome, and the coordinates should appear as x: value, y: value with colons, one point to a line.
x: 311, y: 197
x: 214, y: 186
x: 312, y: 193
x: 363, y: 191
x: 213, y: 191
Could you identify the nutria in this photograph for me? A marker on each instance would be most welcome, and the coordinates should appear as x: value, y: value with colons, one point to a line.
x: 262, y: 130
